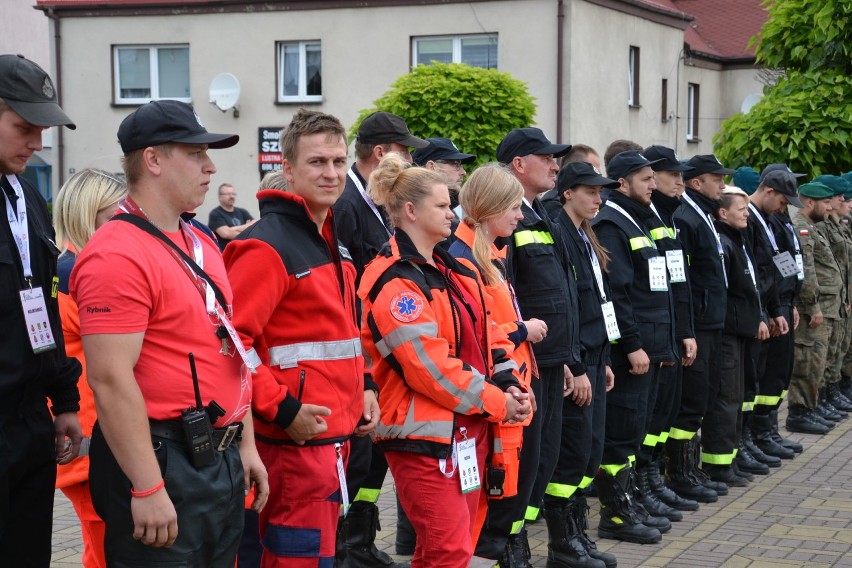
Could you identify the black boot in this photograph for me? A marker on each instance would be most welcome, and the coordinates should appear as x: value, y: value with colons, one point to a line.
x: 744, y: 474
x: 837, y: 399
x: 565, y: 546
x: 825, y: 409
x: 580, y: 511
x: 799, y: 420
x: 818, y: 414
x: 700, y: 475
x: 761, y: 432
x: 746, y: 462
x: 340, y: 544
x: 826, y: 402
x: 786, y: 442
x: 517, y: 553
x: 679, y: 463
x: 666, y: 495
x: 846, y: 386
x: 649, y: 499
x: 359, y: 529
x: 406, y: 538
x: 724, y: 474
x: 619, y: 519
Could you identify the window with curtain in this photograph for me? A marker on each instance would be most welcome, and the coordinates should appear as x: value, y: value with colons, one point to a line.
x: 299, y: 71
x: 474, y: 50
x: 145, y: 73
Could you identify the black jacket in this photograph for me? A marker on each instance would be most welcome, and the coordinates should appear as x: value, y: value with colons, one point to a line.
x: 544, y: 281
x: 26, y: 378
x: 768, y: 276
x: 743, y: 312
x: 645, y: 317
x: 706, y: 276
x: 787, y: 239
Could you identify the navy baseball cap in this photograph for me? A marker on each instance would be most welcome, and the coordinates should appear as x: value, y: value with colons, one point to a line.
x: 665, y: 159
x: 625, y: 163
x: 526, y: 141
x: 161, y: 122
x: 705, y: 164
x: 440, y: 149
x: 573, y: 174
x: 28, y: 91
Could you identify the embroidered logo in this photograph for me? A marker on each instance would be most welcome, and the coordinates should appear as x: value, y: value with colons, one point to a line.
x: 406, y: 306
x: 47, y: 88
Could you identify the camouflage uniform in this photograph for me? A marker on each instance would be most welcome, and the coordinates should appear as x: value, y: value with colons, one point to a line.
x: 821, y: 292
x: 838, y: 343
x: 846, y: 368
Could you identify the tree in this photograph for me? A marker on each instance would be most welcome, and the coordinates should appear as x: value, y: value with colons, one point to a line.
x: 473, y: 107
x: 805, y: 118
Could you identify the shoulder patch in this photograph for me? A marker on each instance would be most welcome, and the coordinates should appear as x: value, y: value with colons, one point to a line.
x: 406, y: 306
x: 803, y: 231
x: 344, y: 252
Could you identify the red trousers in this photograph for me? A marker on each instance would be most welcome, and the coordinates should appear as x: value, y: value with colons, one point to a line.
x: 92, y: 528
x: 443, y: 517
x: 298, y: 525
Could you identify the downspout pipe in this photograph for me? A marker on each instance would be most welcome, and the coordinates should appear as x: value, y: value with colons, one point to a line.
x: 57, y: 63
x: 560, y: 42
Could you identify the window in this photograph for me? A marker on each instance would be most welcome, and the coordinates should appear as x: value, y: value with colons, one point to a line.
x: 692, y: 96
x: 473, y: 50
x: 299, y: 71
x: 149, y: 73
x: 664, y: 110
x: 633, y: 77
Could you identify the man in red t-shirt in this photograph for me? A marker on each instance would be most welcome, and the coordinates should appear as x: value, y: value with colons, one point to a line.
x: 143, y: 310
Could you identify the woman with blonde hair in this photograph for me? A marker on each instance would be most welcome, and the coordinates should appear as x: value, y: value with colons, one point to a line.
x: 491, y: 199
x: 86, y: 201
x: 442, y: 365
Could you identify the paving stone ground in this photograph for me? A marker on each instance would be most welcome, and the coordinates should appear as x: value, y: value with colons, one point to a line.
x: 800, y: 515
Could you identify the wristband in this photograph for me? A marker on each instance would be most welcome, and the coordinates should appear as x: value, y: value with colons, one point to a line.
x: 147, y: 492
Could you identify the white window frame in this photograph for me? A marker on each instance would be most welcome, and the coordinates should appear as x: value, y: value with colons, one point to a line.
x: 633, y: 76
x: 303, y: 96
x: 457, y: 45
x: 692, y: 89
x: 155, y: 75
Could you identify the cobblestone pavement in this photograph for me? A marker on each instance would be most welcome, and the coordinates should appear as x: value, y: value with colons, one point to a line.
x: 798, y: 515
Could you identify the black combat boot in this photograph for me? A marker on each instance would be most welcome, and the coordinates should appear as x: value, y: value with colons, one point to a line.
x: 837, y: 399
x: 565, y: 546
x: 666, y: 495
x: 580, y: 510
x: 679, y: 463
x: 826, y: 410
x: 406, y: 538
x: 619, y: 516
x: 744, y: 474
x: 746, y: 462
x: 359, y: 529
x: 799, y: 419
x: 846, y: 386
x: 700, y: 475
x: 724, y: 474
x: 786, y: 442
x: 761, y: 433
x: 649, y: 499
x: 517, y: 553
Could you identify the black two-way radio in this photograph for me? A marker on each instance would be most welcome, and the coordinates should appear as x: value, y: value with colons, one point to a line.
x: 196, y: 426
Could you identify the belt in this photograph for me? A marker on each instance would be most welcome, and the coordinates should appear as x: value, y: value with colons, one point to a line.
x: 172, y: 430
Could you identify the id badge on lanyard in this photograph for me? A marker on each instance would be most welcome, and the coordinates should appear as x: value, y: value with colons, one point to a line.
x: 677, y: 267
x: 612, y: 331
x: 800, y: 264
x: 36, y: 318
x: 657, y: 274
x: 786, y: 264
x: 463, y: 459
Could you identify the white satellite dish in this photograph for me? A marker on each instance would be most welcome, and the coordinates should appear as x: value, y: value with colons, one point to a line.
x: 750, y: 101
x: 224, y: 91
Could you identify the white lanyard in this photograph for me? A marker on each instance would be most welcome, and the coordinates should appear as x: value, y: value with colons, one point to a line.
x: 618, y: 208
x: 795, y: 238
x: 198, y: 253
x: 769, y: 234
x: 750, y: 268
x: 657, y: 213
x: 596, y: 265
x: 709, y: 223
x: 18, y: 225
x: 354, y: 177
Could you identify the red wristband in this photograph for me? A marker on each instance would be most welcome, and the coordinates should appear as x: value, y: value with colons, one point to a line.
x: 147, y: 492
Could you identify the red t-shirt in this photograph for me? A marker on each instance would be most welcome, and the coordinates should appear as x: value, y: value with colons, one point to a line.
x: 126, y: 281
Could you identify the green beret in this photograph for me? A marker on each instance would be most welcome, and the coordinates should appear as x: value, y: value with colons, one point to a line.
x: 747, y: 179
x: 847, y: 176
x: 816, y: 190
x: 836, y: 183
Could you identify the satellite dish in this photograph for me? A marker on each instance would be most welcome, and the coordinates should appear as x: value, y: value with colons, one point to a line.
x: 750, y: 101
x: 224, y: 91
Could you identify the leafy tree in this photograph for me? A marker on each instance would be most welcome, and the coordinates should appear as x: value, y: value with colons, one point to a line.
x: 473, y: 107
x: 805, y: 118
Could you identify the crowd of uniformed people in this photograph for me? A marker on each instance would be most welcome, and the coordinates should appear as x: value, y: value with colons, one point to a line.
x: 509, y: 341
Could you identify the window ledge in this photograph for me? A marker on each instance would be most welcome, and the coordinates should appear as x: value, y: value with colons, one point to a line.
x: 693, y: 140
x: 301, y: 101
x: 632, y: 106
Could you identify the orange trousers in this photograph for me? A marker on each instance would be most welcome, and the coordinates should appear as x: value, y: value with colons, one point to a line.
x: 91, y: 525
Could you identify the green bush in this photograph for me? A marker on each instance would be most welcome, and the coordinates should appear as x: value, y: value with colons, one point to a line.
x: 473, y: 107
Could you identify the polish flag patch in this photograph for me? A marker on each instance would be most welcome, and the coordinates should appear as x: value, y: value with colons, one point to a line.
x: 803, y: 232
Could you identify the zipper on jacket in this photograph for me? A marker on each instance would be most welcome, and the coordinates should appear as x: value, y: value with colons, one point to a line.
x: 301, y: 383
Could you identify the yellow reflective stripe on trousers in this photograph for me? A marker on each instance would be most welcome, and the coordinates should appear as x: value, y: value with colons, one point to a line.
x: 586, y: 481
x: 663, y: 437
x: 523, y: 238
x: 783, y: 394
x: 613, y: 469
x: 560, y: 490
x: 631, y: 460
x: 662, y: 233
x: 531, y: 513
x: 766, y: 400
x: 637, y: 243
x: 717, y: 459
x: 748, y: 406
x: 368, y: 495
x: 650, y: 440
x: 516, y: 527
x: 678, y: 434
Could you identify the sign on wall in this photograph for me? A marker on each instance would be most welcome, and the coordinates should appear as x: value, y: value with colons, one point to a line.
x: 268, y: 149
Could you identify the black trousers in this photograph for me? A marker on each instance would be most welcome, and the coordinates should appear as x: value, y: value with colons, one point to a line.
x: 779, y: 366
x: 209, y: 502
x: 581, y: 447
x: 506, y: 515
x: 754, y: 368
x: 719, y: 435
x: 665, y: 412
x: 366, y: 470
x: 700, y: 385
x: 553, y: 385
x: 628, y: 413
x: 27, y: 479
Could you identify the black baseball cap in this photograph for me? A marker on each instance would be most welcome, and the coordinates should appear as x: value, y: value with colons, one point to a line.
x: 706, y: 164
x: 784, y: 182
x: 665, y: 159
x: 526, y: 141
x: 440, y: 149
x: 625, y: 163
x: 384, y: 128
x: 573, y: 174
x: 781, y: 167
x: 29, y: 92
x: 161, y: 122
